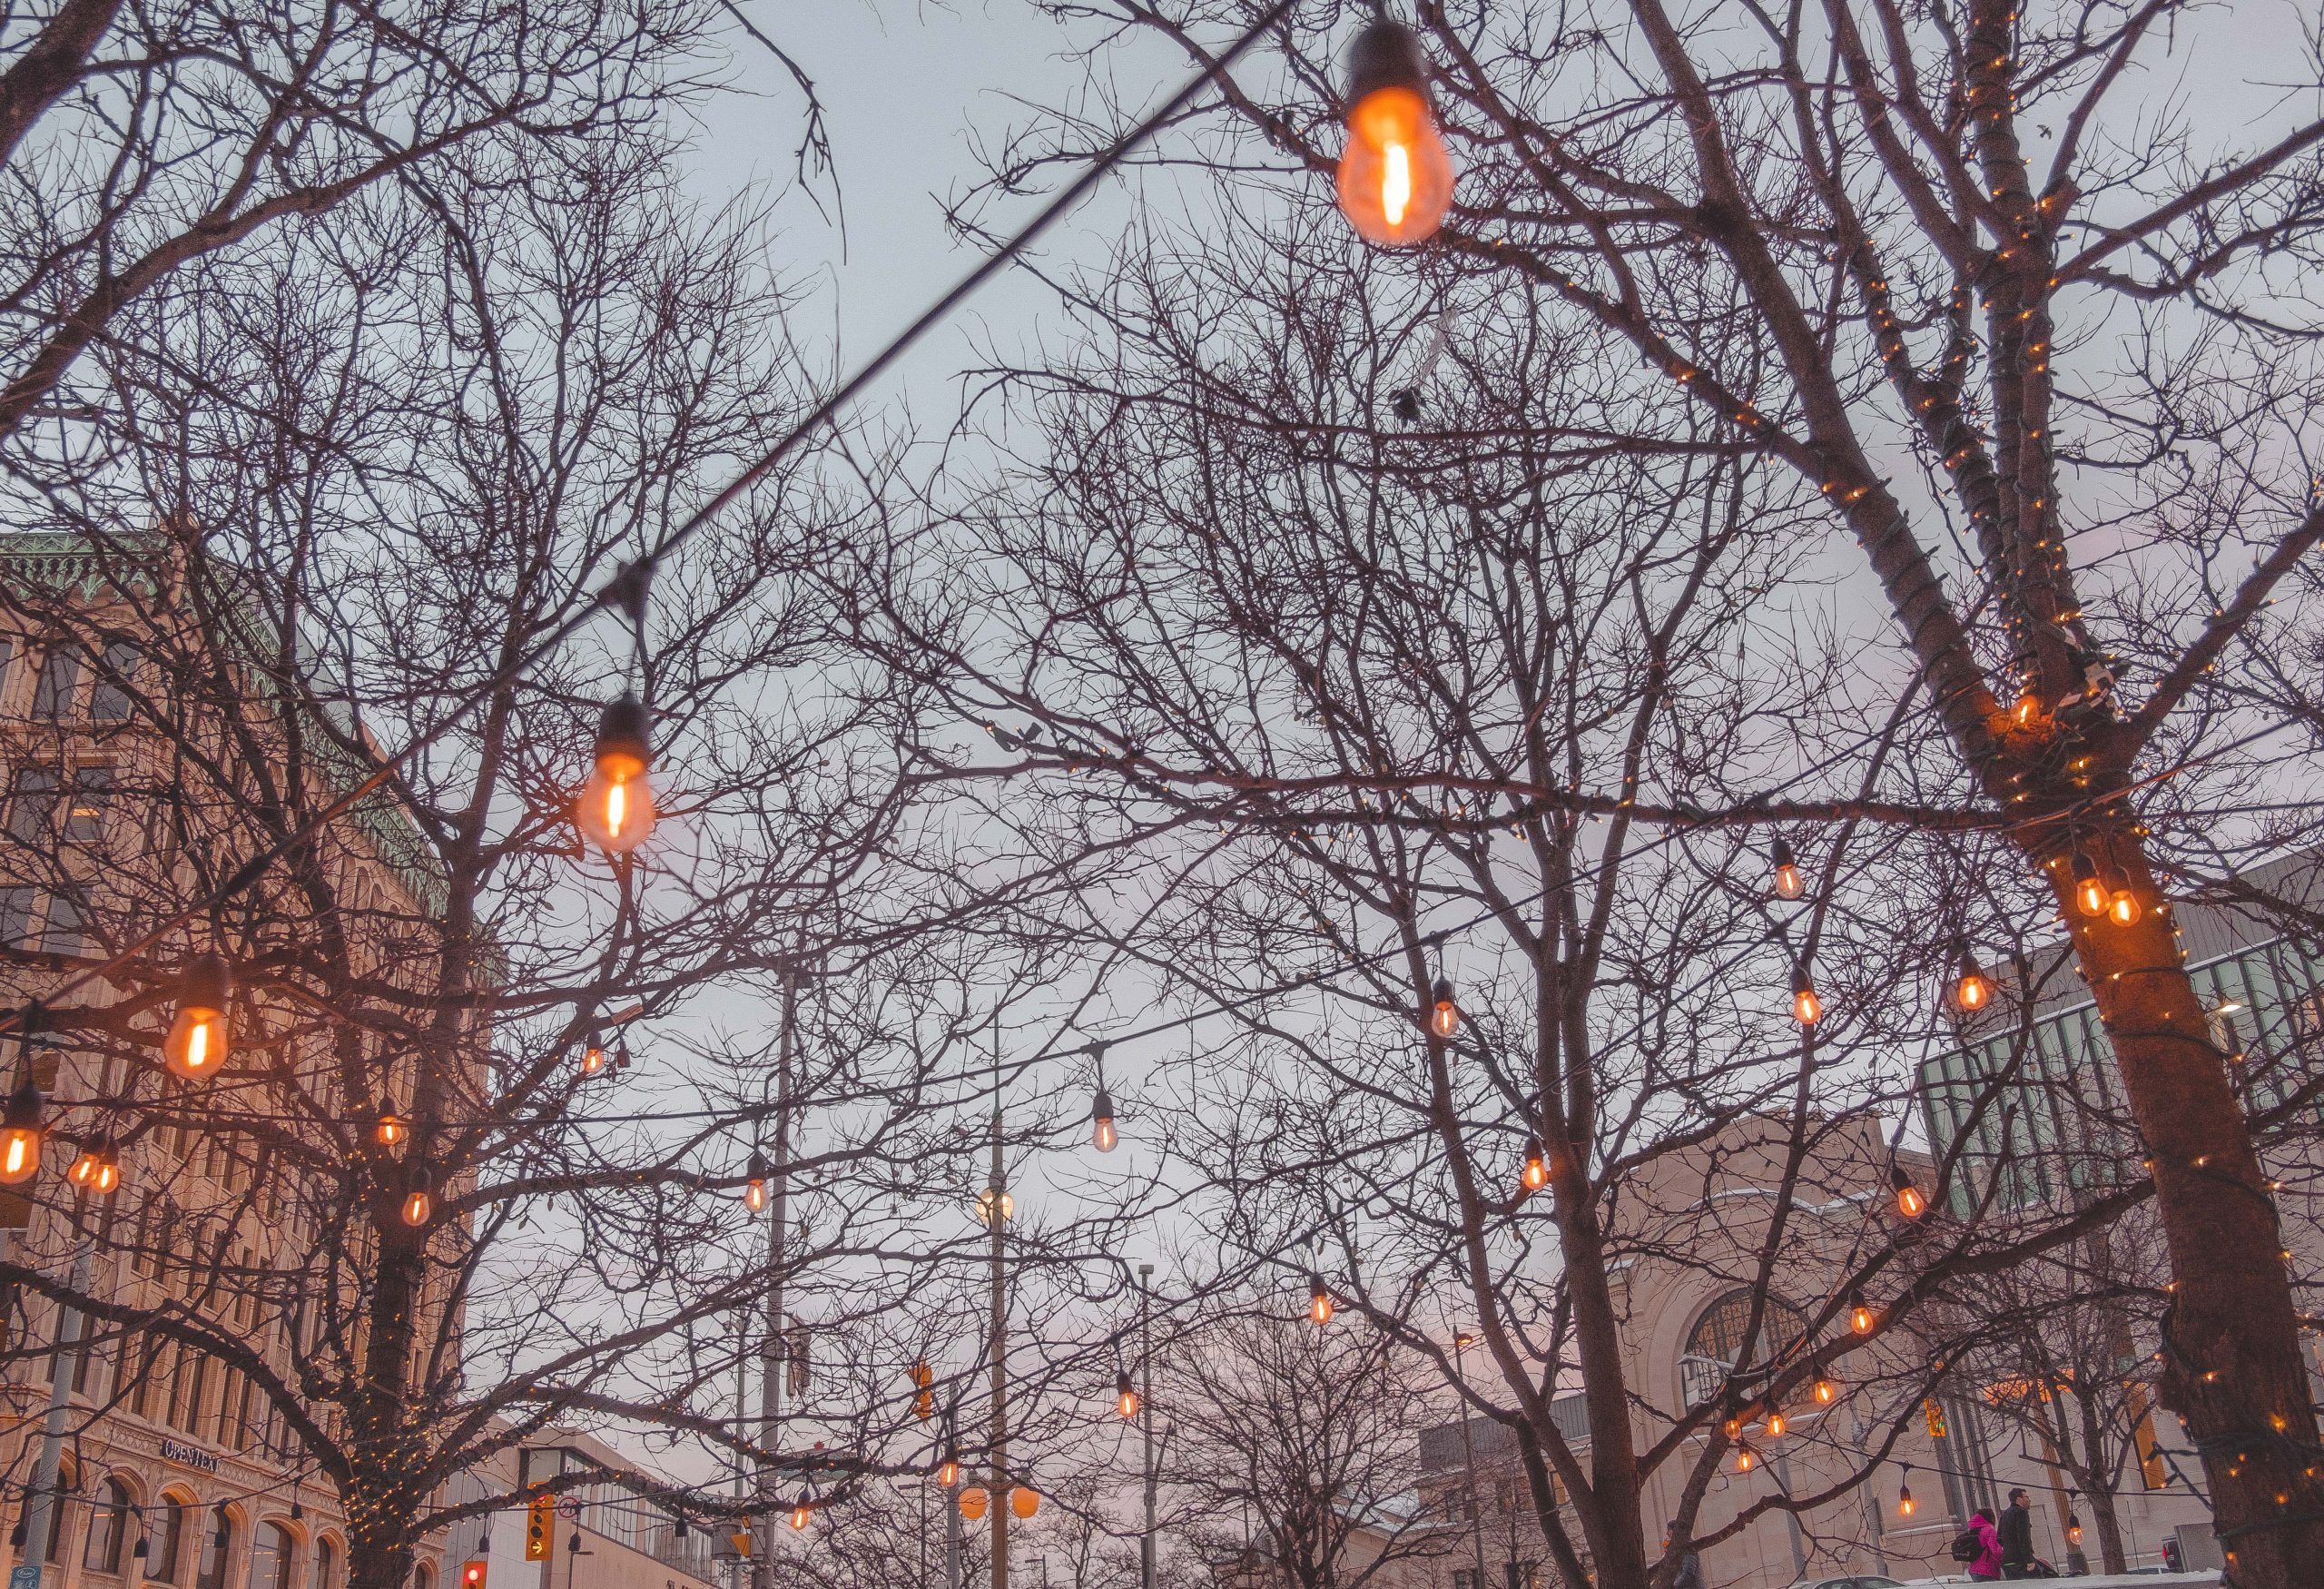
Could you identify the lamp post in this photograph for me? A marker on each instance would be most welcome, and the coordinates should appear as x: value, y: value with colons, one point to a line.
x: 1461, y: 1343
x: 770, y: 1350
x: 997, y: 1219
x: 1146, y: 1411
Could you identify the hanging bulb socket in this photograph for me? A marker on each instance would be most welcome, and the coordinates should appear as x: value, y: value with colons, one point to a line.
x: 2091, y: 896
x: 1910, y: 1203
x: 1805, y: 1007
x: 97, y: 1170
x: 1444, y: 1013
x: 616, y: 809
x: 1790, y: 883
x: 1973, y: 990
x: 23, y: 1127
x: 1395, y: 178
x: 1102, y: 1135
x: 197, y: 1045
x: 1905, y: 1507
x: 419, y: 1198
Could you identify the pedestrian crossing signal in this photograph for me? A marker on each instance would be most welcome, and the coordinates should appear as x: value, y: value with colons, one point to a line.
x: 923, y: 1405
x: 540, y: 1523
x: 472, y: 1576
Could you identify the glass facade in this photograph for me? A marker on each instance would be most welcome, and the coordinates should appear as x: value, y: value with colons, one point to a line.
x: 2036, y: 1111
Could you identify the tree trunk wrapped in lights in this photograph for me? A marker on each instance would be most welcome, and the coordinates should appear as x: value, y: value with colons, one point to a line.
x: 1935, y: 268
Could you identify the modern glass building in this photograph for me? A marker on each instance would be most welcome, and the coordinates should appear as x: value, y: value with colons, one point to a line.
x: 2032, y: 1099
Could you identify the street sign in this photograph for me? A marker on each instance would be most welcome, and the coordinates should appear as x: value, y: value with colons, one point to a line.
x: 24, y: 1578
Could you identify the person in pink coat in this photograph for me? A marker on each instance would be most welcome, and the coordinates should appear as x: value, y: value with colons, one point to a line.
x: 1986, y: 1568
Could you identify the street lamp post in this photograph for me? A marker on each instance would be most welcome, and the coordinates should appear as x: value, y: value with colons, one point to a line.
x: 1146, y: 1411
x: 770, y: 1350
x: 1461, y: 1343
x: 997, y: 1216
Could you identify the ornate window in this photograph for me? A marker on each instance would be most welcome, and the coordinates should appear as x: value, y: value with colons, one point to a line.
x: 108, y: 1527
x: 1717, y: 1341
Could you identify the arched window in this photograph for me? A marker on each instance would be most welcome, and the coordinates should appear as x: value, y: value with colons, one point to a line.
x: 217, y: 1538
x: 270, y: 1557
x: 424, y: 1577
x: 177, y: 1518
x: 326, y: 1565
x: 1717, y: 1341
x: 108, y: 1528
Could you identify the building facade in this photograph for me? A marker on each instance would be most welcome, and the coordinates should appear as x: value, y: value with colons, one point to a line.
x: 171, y: 1469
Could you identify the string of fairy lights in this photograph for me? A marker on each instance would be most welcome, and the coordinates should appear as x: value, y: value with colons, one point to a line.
x: 1395, y: 183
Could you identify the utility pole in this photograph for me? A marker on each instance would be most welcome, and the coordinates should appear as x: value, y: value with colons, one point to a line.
x: 999, y: 1216
x: 1461, y: 1343
x: 1146, y: 1417
x: 772, y: 1350
x: 952, y: 1537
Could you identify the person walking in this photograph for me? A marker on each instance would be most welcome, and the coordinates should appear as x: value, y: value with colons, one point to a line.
x: 1984, y: 1567
x: 2015, y: 1531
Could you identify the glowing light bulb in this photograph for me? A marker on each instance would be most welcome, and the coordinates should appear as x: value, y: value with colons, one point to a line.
x: 1394, y: 179
x: 1125, y: 1395
x: 1744, y: 1460
x: 1102, y: 1135
x: 1860, y: 1317
x: 949, y: 1473
x: 1972, y: 991
x: 1443, y: 1015
x: 97, y: 1170
x: 2073, y: 1529
x: 799, y: 1516
x: 1319, y: 1301
x: 2123, y: 909
x: 616, y: 809
x: 1789, y: 883
x: 391, y: 1128
x: 1909, y: 1201
x: 197, y: 1045
x: 2026, y: 710
x: 593, y: 1056
x: 1776, y: 1426
x: 1805, y: 1007
x: 1537, y: 1167
x: 1825, y: 1393
x: 21, y: 1130
x: 1904, y: 1505
x: 2089, y: 895
x: 754, y: 1184
x: 418, y: 1206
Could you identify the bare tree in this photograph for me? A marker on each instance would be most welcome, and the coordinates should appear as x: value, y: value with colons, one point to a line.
x: 1942, y: 270
x: 1308, y: 1434
x: 478, y: 1162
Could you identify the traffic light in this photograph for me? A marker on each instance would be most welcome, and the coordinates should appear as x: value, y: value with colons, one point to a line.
x: 540, y: 1523
x: 741, y: 1540
x: 472, y: 1576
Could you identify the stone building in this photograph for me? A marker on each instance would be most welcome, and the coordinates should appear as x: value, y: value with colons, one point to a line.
x: 170, y: 1469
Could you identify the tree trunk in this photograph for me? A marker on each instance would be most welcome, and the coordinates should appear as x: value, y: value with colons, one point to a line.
x: 2111, y: 1555
x: 2232, y: 1363
x: 384, y: 1494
